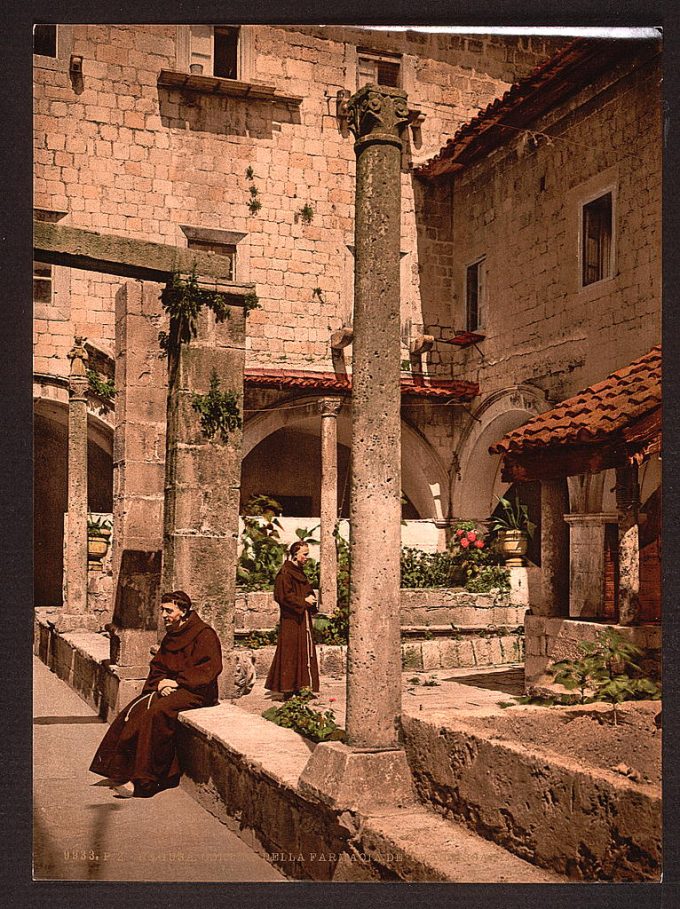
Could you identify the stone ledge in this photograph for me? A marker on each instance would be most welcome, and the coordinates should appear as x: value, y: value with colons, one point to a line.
x: 245, y: 771
x: 540, y: 805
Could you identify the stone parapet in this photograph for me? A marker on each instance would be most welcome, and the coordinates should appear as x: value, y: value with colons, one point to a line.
x: 548, y: 640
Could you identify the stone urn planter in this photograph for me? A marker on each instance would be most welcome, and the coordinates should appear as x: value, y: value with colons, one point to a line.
x: 513, y: 546
x: 98, y: 538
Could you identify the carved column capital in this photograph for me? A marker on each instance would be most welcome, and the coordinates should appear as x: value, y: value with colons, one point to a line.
x: 330, y: 407
x: 376, y: 113
x: 77, y: 380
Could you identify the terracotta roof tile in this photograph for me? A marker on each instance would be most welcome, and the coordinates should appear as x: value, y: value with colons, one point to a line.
x: 330, y: 381
x: 607, y: 407
x: 567, y: 70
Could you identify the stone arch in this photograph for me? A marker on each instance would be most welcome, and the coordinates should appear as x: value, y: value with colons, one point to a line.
x: 424, y: 477
x: 477, y: 478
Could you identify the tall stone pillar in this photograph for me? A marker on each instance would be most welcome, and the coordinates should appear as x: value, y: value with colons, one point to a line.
x: 628, y: 507
x: 586, y: 563
x: 330, y: 408
x: 141, y: 380
x: 372, y: 769
x: 202, y: 478
x: 74, y: 613
x: 555, y: 547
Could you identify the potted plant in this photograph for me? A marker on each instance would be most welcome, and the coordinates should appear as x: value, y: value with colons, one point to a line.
x: 98, y: 536
x: 513, y: 529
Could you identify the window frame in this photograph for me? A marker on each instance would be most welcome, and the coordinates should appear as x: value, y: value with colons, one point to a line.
x: 245, y: 57
x: 480, y: 264
x: 377, y: 57
x: 586, y: 201
x: 62, y: 59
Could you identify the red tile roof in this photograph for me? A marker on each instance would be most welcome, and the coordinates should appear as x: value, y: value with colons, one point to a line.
x: 614, y: 407
x: 574, y: 65
x: 306, y: 380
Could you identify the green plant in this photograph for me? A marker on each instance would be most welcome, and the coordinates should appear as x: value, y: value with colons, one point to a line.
x: 405, y: 366
x: 99, y: 527
x: 256, y: 639
x: 218, y: 410
x: 426, y: 569
x: 512, y: 517
x: 318, y: 294
x: 254, y: 204
x: 254, y: 191
x: 305, y: 214
x: 183, y: 299
x: 103, y: 388
x: 432, y: 682
x: 296, y: 714
x: 490, y: 577
x: 262, y: 554
x: 250, y: 302
x: 264, y: 506
x: 249, y: 173
x: 608, y: 670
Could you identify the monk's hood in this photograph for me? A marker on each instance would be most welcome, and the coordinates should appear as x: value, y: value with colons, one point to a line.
x: 178, y: 640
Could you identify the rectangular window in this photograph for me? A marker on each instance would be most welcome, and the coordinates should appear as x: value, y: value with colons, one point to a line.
x: 474, y: 296
x: 596, y: 250
x: 228, y: 250
x: 42, y: 283
x: 45, y: 40
x: 216, y: 49
x: 225, y: 53
x: 379, y: 68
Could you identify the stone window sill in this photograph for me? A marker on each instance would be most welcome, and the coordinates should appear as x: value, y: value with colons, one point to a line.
x: 214, y: 85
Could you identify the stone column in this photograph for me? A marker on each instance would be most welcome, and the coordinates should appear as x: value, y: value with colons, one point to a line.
x: 628, y: 507
x: 586, y: 563
x: 330, y: 408
x: 74, y: 613
x: 554, y: 547
x: 138, y: 472
x: 202, y: 478
x: 372, y: 766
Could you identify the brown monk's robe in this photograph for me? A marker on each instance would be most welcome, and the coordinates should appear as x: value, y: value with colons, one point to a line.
x: 295, y: 664
x: 140, y: 743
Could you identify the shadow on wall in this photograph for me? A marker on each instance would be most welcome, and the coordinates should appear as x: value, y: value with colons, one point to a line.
x: 50, y: 498
x: 222, y: 115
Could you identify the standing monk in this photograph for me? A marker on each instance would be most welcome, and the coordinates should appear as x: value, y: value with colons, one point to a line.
x: 295, y: 664
x: 138, y: 753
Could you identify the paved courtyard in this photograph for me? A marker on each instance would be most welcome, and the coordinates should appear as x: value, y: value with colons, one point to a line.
x: 82, y: 833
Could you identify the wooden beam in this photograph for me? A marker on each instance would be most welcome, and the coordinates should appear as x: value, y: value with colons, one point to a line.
x: 550, y: 463
x: 73, y: 247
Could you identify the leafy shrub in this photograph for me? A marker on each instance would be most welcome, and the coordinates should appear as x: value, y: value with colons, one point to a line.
x: 313, y: 724
x: 607, y: 669
x: 490, y: 577
x: 218, y: 410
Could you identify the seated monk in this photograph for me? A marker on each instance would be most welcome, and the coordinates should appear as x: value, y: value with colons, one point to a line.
x: 138, y: 754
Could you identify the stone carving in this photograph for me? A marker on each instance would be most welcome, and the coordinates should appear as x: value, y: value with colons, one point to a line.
x: 78, y: 382
x: 244, y: 675
x: 377, y: 112
x: 330, y: 407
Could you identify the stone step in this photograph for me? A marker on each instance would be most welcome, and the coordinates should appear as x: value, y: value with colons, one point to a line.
x: 256, y: 791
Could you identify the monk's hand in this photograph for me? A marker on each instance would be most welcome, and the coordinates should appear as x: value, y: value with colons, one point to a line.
x: 166, y: 687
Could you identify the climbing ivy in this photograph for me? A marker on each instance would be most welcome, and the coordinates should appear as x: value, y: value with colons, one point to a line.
x: 218, y: 410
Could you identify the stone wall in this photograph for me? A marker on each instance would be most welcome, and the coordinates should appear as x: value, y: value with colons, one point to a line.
x: 551, y: 639
x: 121, y: 154
x: 520, y: 207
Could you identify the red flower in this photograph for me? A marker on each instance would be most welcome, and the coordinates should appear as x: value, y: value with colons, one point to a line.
x: 472, y: 536
x: 459, y: 532
x: 479, y: 544
x: 465, y: 542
